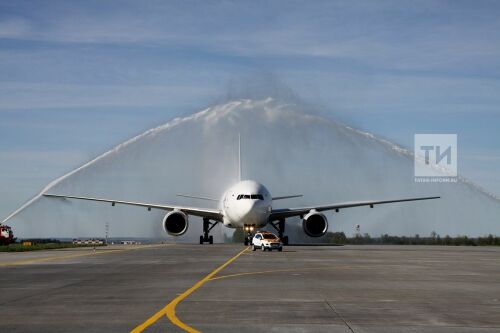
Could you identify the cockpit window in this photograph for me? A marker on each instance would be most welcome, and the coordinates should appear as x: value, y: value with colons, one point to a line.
x: 250, y: 196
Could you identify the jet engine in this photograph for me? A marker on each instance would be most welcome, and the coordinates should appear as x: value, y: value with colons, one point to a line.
x: 175, y: 223
x: 315, y: 224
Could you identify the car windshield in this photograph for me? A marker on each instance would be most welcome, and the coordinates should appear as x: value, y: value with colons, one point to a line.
x: 269, y: 236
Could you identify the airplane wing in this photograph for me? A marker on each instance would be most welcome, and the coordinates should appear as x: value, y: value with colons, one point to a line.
x: 213, y: 214
x: 287, y: 197
x: 278, y: 214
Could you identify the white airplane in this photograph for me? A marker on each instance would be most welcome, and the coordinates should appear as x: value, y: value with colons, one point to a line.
x: 248, y: 205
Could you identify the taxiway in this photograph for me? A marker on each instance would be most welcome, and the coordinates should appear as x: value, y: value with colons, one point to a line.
x: 223, y: 288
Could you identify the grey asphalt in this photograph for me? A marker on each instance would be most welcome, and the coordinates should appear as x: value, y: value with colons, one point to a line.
x: 302, y: 289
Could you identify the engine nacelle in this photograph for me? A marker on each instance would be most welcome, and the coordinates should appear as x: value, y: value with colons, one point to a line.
x: 175, y: 223
x: 315, y: 224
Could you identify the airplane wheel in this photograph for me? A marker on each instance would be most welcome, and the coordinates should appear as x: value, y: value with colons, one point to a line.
x: 201, y: 239
x: 253, y: 247
x: 211, y: 239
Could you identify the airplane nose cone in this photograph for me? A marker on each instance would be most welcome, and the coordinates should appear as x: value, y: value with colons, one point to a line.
x: 247, y: 207
x: 251, y: 211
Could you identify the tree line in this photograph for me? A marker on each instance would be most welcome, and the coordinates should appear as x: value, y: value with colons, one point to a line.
x: 433, y: 239
x: 340, y: 238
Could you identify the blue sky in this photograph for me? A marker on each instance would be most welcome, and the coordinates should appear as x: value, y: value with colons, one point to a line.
x: 78, y: 77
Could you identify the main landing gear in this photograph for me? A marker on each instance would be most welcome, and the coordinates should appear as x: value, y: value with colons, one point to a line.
x: 280, y: 228
x: 248, y: 229
x: 207, y: 226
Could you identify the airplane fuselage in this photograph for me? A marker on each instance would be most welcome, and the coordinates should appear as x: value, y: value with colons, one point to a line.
x: 246, y: 203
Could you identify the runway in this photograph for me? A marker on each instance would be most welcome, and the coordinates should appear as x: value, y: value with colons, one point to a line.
x: 225, y: 288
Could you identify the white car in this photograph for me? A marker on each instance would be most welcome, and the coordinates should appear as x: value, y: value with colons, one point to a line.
x: 266, y: 241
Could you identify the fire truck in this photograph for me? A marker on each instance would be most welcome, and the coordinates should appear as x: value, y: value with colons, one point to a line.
x: 6, y: 235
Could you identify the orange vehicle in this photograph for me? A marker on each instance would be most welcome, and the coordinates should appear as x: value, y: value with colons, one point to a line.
x: 266, y: 241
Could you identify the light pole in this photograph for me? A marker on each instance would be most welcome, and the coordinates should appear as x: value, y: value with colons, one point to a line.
x: 107, y: 232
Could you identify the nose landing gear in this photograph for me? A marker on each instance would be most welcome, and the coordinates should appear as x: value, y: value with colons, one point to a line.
x: 207, y: 226
x: 249, y: 230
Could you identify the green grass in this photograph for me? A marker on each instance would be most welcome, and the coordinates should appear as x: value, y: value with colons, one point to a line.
x: 43, y: 246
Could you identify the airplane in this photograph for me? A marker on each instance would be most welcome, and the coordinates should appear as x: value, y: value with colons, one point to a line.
x: 248, y: 204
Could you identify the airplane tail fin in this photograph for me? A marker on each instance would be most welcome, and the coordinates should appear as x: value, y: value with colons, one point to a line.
x: 239, y: 157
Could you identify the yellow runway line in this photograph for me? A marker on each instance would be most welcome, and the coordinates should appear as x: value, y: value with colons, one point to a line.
x: 169, y: 309
x: 292, y: 270
x: 70, y: 256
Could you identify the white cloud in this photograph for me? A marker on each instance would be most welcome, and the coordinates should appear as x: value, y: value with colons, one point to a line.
x: 44, y: 157
x: 389, y: 35
x: 40, y: 95
x: 14, y: 27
